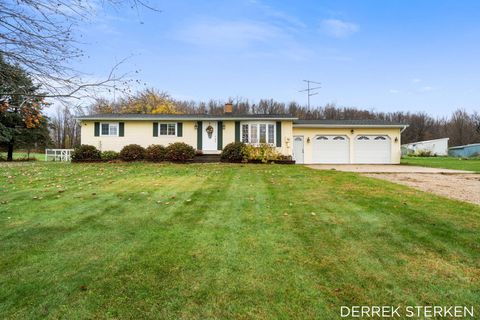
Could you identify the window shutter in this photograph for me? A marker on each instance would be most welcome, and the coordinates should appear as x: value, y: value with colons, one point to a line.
x: 121, y: 129
x: 97, y: 129
x: 220, y: 135
x: 199, y: 135
x: 279, y: 133
x: 237, y: 131
x: 179, y: 129
x: 155, y: 129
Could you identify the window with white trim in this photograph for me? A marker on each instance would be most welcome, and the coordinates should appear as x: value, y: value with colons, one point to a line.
x: 109, y: 129
x: 258, y: 132
x: 167, y: 129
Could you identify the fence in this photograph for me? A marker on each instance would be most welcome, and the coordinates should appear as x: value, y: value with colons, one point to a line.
x: 58, y: 154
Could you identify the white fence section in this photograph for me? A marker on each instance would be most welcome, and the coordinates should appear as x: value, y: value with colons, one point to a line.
x: 58, y: 154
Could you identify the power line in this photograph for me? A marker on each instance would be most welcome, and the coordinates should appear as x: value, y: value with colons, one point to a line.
x: 310, y: 90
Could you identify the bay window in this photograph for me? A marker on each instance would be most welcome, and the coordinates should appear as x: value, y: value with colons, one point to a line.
x: 256, y: 133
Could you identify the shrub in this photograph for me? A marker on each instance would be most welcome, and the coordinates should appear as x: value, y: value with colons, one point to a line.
x: 132, y: 152
x: 109, y: 155
x: 424, y: 153
x: 86, y: 153
x: 263, y: 153
x: 179, y: 151
x: 155, y: 153
x: 233, y: 152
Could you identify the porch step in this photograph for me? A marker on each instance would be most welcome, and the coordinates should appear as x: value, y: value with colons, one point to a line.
x: 207, y: 158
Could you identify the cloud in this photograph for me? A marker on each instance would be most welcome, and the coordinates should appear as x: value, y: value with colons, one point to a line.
x: 337, y: 28
x: 426, y: 89
x: 394, y: 91
x: 416, y: 80
x: 278, y: 15
x: 227, y: 33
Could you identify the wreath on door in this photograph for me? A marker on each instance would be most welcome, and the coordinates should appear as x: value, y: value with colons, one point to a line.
x: 209, y: 131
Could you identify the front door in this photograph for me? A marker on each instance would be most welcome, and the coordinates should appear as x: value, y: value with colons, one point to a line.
x: 209, y: 135
x: 298, y: 149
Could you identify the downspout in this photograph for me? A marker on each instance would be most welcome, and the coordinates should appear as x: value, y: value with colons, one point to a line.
x: 403, y: 129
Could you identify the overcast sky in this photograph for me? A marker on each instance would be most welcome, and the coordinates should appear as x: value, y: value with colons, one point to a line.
x: 383, y: 55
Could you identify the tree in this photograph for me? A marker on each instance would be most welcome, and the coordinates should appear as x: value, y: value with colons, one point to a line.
x: 64, y: 128
x: 41, y: 36
x: 34, y: 138
x: 19, y: 114
x: 149, y: 101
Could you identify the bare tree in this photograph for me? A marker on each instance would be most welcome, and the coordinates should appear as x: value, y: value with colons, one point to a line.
x: 64, y: 128
x: 41, y: 37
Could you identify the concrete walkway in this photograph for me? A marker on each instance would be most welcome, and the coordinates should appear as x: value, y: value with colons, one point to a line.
x: 383, y: 168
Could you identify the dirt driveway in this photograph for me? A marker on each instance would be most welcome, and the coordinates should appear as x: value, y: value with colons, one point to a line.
x: 454, y: 184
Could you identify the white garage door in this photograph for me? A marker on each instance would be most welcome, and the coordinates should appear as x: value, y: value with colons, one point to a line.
x: 372, y: 149
x: 331, y: 149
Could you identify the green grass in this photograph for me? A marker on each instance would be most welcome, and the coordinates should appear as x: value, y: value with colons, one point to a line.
x: 132, y: 241
x: 23, y: 155
x: 472, y: 164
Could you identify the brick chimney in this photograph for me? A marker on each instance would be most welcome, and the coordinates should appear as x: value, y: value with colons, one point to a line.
x: 228, y: 108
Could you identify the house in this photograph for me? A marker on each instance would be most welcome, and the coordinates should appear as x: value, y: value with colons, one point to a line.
x: 307, y: 141
x: 437, y: 147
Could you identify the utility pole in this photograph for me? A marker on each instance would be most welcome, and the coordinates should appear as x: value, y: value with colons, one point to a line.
x: 310, y: 90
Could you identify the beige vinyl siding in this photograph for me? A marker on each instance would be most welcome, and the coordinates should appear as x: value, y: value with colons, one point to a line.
x: 141, y: 132
x: 392, y: 133
x: 136, y: 132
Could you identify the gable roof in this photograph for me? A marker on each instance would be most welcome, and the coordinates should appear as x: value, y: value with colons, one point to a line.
x: 192, y: 117
x: 322, y: 123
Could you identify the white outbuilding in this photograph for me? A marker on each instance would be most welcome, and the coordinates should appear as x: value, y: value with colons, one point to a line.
x: 437, y: 147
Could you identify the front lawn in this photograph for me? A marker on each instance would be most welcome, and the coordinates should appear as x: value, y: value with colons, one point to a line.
x: 472, y: 164
x: 134, y: 241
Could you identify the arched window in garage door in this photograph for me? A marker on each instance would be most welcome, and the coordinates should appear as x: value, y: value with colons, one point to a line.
x: 330, y: 149
x: 372, y: 149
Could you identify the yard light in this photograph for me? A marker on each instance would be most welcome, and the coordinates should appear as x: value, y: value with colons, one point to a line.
x: 195, y: 126
x: 352, y: 131
x: 396, y: 139
x: 308, y: 139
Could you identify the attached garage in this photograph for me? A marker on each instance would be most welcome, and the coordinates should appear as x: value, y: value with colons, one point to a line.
x: 347, y: 141
x: 331, y: 149
x: 372, y: 149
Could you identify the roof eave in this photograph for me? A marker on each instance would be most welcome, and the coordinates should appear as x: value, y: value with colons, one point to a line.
x: 350, y: 125
x: 183, y: 119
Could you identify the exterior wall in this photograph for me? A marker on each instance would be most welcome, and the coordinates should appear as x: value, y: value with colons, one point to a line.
x: 228, y: 132
x: 138, y: 132
x: 392, y: 133
x: 141, y: 132
x: 287, y: 138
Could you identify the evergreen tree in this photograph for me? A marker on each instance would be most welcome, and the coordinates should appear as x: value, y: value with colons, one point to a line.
x: 21, y: 106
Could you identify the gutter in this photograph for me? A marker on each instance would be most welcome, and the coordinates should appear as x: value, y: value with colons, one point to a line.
x: 350, y: 126
x: 184, y: 119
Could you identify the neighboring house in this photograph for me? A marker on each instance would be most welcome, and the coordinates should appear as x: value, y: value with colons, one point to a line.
x: 307, y: 141
x: 437, y: 147
x: 468, y: 150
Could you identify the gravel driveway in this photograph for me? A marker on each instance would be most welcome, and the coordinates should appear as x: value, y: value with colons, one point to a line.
x: 464, y: 187
x: 454, y: 184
